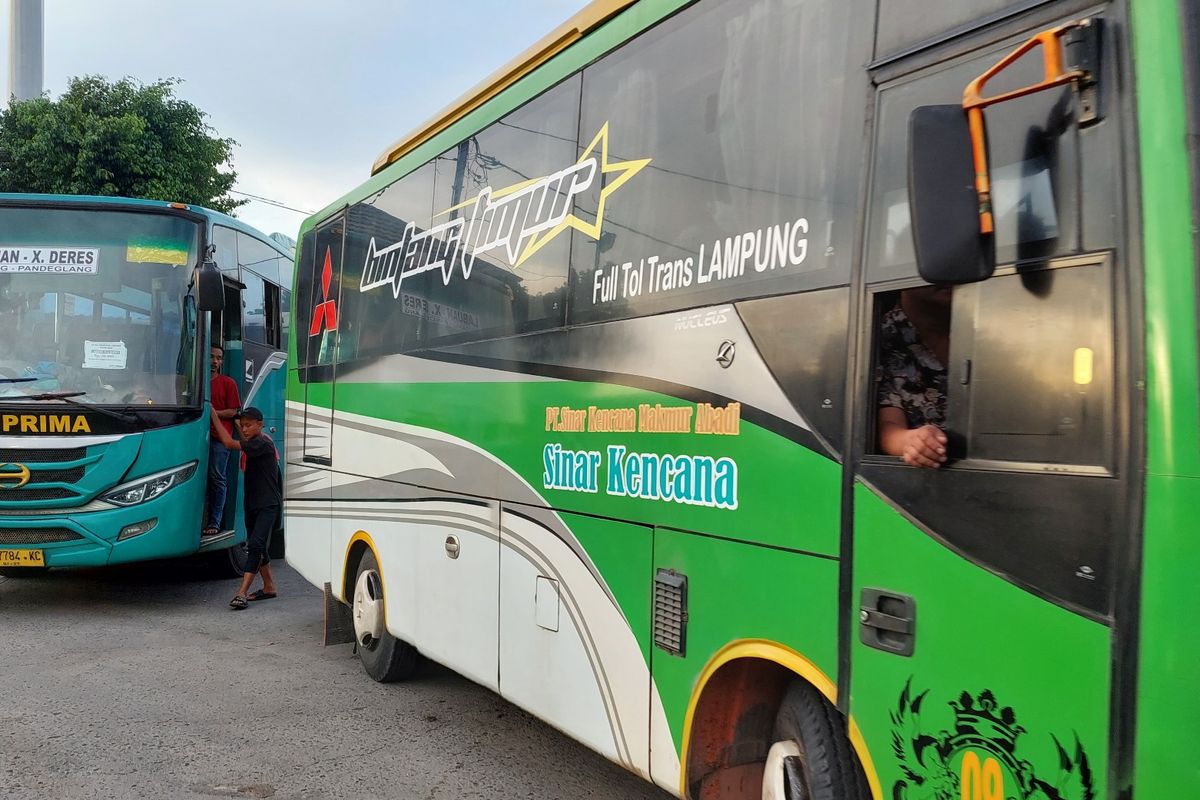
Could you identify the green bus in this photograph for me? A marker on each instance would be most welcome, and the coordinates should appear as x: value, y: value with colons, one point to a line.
x: 109, y: 308
x: 585, y: 400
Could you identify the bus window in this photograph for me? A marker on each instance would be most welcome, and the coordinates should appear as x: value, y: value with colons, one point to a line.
x: 226, y: 242
x: 254, y: 308
x: 506, y: 295
x: 904, y: 23
x: 1034, y: 157
x: 271, y: 315
x: 285, y: 316
x: 385, y: 319
x: 1034, y: 381
x: 258, y: 257
x: 1029, y: 373
x: 745, y: 194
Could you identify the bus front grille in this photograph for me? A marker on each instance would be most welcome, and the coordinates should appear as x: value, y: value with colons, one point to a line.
x: 37, y: 535
x: 69, y: 475
x: 31, y: 495
x: 41, y: 456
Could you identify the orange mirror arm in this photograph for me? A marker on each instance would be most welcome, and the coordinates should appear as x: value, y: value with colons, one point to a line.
x: 1054, y: 74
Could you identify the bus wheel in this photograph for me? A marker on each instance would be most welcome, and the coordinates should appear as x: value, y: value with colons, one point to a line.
x: 383, y: 656
x: 811, y: 758
x: 227, y: 563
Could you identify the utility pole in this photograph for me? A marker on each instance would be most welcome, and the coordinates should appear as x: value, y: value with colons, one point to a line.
x: 25, y: 43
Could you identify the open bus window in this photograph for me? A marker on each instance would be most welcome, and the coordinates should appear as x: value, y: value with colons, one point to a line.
x: 1029, y: 381
x: 1017, y: 369
x: 912, y: 354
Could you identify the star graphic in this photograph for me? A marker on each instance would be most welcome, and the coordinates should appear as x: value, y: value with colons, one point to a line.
x: 622, y: 170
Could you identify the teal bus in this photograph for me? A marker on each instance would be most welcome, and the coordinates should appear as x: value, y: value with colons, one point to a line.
x: 109, y: 308
x: 591, y: 396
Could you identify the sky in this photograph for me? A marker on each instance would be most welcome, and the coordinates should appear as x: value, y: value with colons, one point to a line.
x: 311, y: 91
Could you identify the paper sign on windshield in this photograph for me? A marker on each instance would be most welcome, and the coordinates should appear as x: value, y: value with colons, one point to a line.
x: 46, y: 260
x: 104, y: 355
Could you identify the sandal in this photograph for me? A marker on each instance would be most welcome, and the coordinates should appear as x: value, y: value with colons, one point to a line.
x: 238, y: 603
x: 261, y: 594
x: 211, y: 530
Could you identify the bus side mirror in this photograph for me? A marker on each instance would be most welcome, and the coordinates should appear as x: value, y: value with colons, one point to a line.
x: 210, y: 287
x: 942, y: 200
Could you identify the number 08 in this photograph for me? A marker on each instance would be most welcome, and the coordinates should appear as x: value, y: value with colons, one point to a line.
x: 981, y: 781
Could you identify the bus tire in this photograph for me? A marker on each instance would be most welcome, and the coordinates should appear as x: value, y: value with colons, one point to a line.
x: 384, y: 657
x: 227, y: 563
x: 811, y: 758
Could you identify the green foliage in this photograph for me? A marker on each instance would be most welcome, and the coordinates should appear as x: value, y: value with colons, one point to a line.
x: 118, y: 139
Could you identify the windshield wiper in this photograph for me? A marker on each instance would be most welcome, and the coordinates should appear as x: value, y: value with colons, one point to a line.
x: 25, y: 379
x: 57, y: 396
x: 67, y: 397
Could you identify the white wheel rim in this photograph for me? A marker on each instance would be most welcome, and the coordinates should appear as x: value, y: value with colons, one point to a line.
x: 368, y: 607
x: 773, y: 787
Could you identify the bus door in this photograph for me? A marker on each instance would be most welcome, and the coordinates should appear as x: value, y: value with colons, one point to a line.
x: 981, y: 612
x: 308, y: 476
x: 230, y: 339
x: 225, y: 331
x: 317, y: 342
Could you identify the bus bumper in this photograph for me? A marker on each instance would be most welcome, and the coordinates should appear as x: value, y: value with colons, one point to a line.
x: 94, y: 538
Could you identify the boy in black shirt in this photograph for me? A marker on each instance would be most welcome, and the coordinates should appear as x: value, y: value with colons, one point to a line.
x: 262, y: 500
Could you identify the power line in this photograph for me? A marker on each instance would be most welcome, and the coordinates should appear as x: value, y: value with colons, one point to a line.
x: 271, y: 202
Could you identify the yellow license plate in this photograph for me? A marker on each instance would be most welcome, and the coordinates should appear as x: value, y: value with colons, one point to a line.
x: 22, y: 558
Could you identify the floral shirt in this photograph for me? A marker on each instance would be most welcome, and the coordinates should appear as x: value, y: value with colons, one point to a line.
x: 910, y: 376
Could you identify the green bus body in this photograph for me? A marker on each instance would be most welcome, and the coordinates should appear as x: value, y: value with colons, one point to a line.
x: 693, y: 437
x: 136, y: 405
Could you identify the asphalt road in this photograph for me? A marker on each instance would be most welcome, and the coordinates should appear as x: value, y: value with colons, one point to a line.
x: 140, y: 682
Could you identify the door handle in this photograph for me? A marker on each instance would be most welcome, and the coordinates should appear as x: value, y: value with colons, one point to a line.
x: 888, y: 621
x: 452, y: 546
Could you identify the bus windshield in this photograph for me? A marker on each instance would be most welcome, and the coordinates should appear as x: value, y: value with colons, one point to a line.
x: 95, y: 303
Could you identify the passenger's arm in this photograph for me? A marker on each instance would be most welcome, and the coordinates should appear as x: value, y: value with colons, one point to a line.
x: 919, y: 447
x: 219, y: 432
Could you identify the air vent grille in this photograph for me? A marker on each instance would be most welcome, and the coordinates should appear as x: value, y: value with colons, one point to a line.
x: 670, y: 611
x: 37, y: 535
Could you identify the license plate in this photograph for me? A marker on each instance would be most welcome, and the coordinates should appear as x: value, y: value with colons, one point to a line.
x: 22, y: 558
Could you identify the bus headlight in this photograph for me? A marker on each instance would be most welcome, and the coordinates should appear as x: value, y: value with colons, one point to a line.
x: 149, y: 487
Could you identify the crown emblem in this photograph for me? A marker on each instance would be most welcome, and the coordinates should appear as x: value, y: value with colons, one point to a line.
x: 980, y: 722
x: 983, y: 741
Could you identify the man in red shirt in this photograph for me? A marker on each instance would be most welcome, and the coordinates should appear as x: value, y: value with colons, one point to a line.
x: 225, y: 403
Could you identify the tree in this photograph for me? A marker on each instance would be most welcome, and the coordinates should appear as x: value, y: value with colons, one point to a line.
x: 124, y: 138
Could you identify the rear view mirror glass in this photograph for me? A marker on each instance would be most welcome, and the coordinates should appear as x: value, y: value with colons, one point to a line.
x: 210, y: 288
x: 942, y: 200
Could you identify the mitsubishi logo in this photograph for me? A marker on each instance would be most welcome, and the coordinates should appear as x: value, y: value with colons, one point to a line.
x: 325, y: 314
x: 13, y: 476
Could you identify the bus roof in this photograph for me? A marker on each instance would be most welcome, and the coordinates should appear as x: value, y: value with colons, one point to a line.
x: 215, y: 217
x: 590, y: 16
